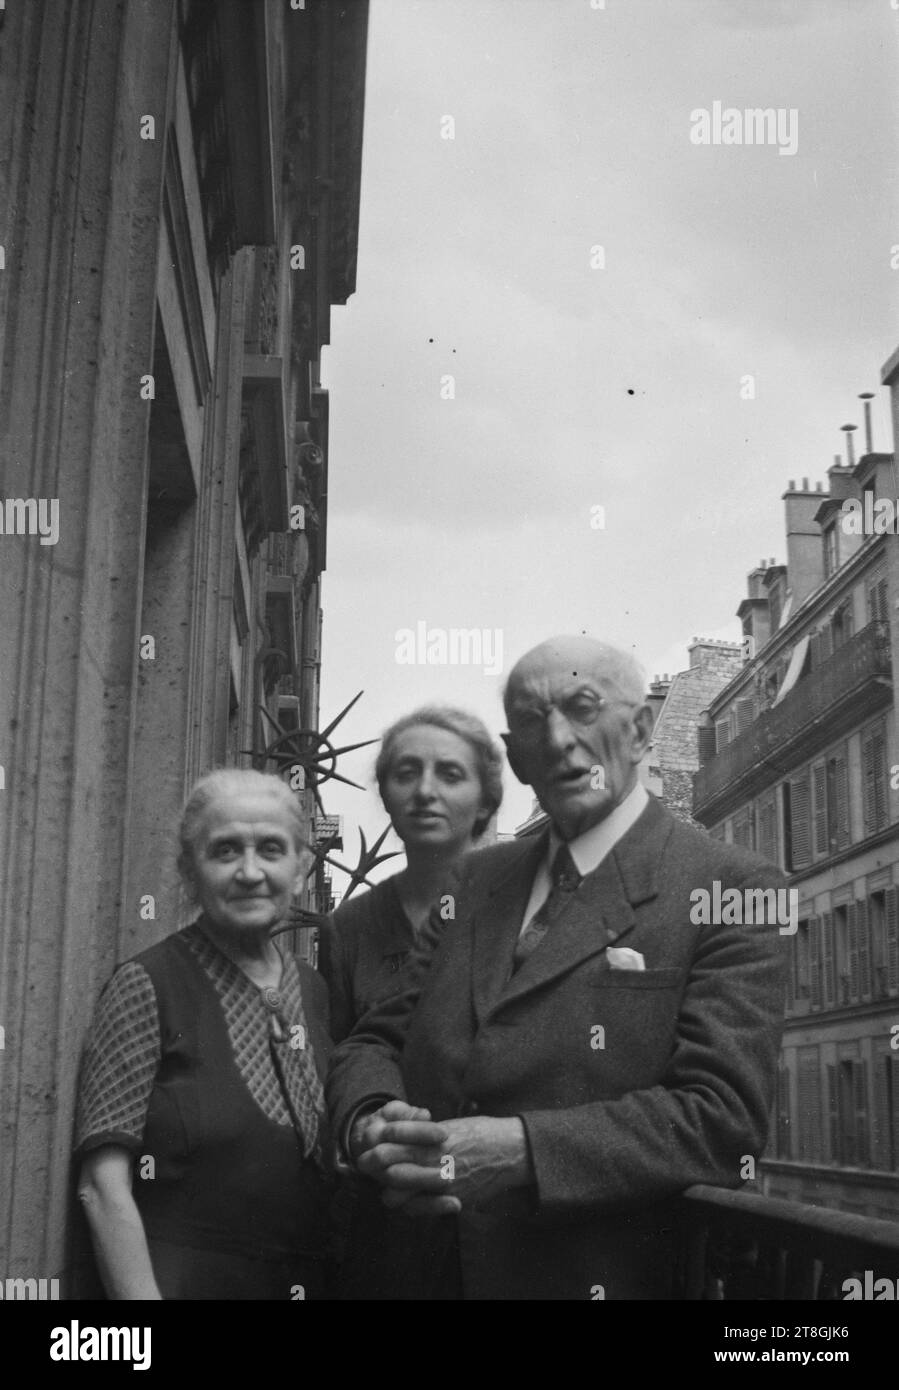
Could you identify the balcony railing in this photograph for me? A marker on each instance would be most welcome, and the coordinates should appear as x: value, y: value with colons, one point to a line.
x: 741, y: 1245
x: 853, y: 683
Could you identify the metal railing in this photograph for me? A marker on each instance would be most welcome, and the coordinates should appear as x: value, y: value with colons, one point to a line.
x: 862, y: 665
x: 742, y: 1245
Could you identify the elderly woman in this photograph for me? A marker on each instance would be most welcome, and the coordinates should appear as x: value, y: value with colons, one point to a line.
x: 200, y: 1130
x: 440, y: 778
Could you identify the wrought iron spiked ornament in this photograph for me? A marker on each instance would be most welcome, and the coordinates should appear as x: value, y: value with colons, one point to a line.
x: 311, y: 750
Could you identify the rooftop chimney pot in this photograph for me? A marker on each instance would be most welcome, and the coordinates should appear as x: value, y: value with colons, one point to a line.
x: 850, y: 447
x: 867, y: 397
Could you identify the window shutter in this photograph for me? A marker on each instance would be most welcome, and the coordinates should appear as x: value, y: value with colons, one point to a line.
x: 833, y: 1104
x: 809, y: 1105
x: 783, y: 1112
x: 800, y: 823
x: 745, y: 714
x: 839, y: 807
x: 827, y: 957
x: 722, y: 734
x: 815, y: 650
x: 893, y: 1074
x: 852, y: 951
x: 864, y: 950
x: 819, y: 795
x: 825, y: 643
x: 814, y: 959
x: 860, y: 1088
x: 874, y: 774
x: 767, y: 820
x: 881, y: 1117
x: 881, y: 601
x: 892, y: 939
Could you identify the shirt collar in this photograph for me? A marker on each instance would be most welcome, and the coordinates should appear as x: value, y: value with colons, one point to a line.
x: 590, y: 849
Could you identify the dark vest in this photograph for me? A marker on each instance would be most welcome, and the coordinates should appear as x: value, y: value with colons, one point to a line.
x: 226, y: 1177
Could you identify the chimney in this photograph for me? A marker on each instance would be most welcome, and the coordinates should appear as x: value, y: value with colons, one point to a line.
x: 805, y: 553
x: 849, y: 430
x: 658, y: 689
x: 867, y: 397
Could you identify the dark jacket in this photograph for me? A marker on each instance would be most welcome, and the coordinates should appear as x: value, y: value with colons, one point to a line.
x: 632, y: 1085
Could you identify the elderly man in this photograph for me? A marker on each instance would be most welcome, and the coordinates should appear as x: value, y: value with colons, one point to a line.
x: 574, y: 1048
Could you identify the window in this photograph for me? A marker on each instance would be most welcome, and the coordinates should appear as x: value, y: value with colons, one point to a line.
x: 766, y: 820
x: 841, y: 954
x: 874, y: 777
x: 745, y: 713
x: 886, y: 1111
x: 841, y: 625
x: 828, y: 959
x: 830, y: 803
x: 830, y: 549
x: 877, y: 599
x: 722, y: 733
x: 797, y: 820
x: 783, y: 1144
x: 742, y: 828
x: 800, y: 963
x: 849, y: 1088
x: 814, y: 959
x: 809, y: 1108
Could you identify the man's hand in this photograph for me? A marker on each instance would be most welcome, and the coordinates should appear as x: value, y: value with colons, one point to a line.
x: 398, y: 1133
x: 476, y: 1159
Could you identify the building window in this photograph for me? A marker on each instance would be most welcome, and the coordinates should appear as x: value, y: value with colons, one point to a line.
x: 766, y: 821
x: 722, y: 733
x: 886, y: 1111
x: 809, y: 1108
x: 841, y: 625
x: 830, y: 549
x: 800, y: 962
x: 874, y: 777
x: 797, y: 821
x: 848, y: 1094
x: 877, y: 599
x: 742, y: 828
x: 784, y: 1146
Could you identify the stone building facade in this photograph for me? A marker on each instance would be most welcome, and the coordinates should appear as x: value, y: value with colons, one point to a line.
x: 179, y: 198
x: 800, y: 762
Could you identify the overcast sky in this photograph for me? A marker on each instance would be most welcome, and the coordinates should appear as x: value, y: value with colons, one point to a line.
x: 579, y: 387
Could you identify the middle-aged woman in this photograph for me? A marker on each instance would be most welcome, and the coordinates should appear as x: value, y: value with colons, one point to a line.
x: 440, y: 777
x: 201, y: 1130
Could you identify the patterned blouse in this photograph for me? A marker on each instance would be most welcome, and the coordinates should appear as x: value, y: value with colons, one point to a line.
x: 270, y: 1043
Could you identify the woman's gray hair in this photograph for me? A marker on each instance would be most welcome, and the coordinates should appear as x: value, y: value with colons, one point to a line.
x: 488, y: 754
x: 233, y: 780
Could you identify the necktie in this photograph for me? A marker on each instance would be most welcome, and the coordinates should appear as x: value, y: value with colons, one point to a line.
x: 565, y: 879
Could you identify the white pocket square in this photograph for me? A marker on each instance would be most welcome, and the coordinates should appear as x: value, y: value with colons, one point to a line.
x: 623, y: 958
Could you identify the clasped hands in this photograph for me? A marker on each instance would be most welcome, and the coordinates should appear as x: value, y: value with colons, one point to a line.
x: 430, y: 1168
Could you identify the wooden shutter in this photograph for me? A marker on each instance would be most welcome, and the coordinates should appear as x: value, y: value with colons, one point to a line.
x: 814, y: 960
x: 891, y: 903
x: 809, y: 1104
x: 800, y: 822
x: 767, y: 823
x: 838, y: 801
x: 881, y: 1115
x: 745, y: 714
x: 819, y: 807
x: 860, y: 1092
x: 783, y: 1112
x: 877, y: 601
x: 852, y: 951
x: 833, y: 1106
x: 864, y: 949
x: 722, y: 734
x: 874, y: 778
x: 827, y: 957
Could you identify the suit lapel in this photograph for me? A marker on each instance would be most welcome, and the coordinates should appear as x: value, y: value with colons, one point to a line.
x: 495, y: 925
x: 601, y: 911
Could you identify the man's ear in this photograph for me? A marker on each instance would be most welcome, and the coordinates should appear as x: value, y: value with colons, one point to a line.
x: 513, y: 758
x: 643, y: 721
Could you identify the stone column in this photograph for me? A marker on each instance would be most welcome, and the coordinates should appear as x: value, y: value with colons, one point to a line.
x: 79, y: 221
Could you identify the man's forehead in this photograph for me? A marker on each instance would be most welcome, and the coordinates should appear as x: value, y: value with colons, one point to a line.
x: 547, y: 675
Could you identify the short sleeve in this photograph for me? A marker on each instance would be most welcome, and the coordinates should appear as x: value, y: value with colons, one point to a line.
x: 120, y: 1063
